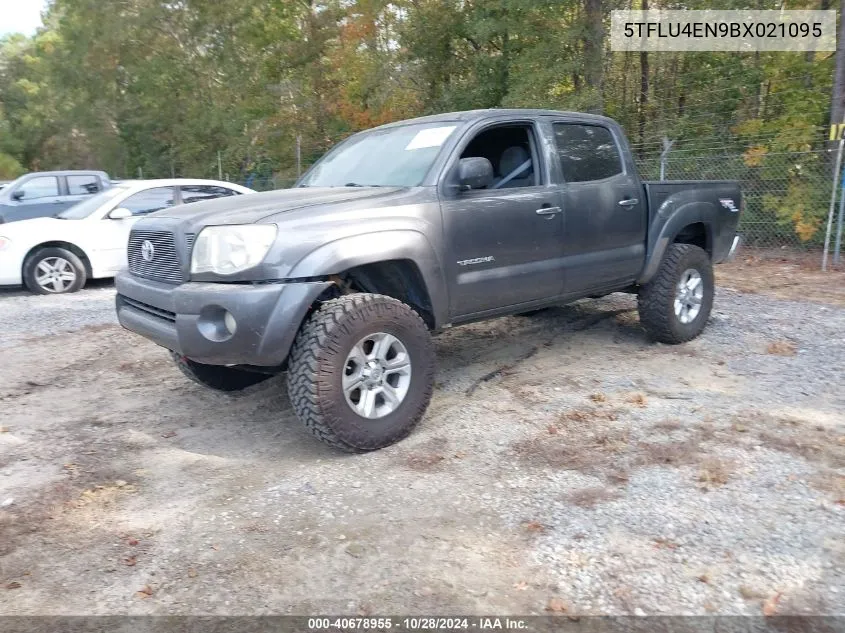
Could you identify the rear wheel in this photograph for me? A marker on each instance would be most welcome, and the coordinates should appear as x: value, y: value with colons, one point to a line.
x: 217, y: 377
x: 361, y: 372
x: 53, y: 271
x: 675, y: 305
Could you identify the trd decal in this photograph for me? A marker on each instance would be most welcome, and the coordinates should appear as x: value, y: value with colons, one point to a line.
x: 729, y: 204
x: 477, y: 260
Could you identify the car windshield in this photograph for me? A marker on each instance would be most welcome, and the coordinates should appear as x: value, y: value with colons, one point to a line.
x: 395, y: 157
x: 88, y: 206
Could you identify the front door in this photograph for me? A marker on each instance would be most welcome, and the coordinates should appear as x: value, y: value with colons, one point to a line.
x: 37, y: 197
x: 605, y: 216
x: 504, y: 242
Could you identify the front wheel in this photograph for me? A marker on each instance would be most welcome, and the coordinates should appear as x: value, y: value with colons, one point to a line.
x: 361, y: 372
x: 52, y: 271
x: 675, y: 305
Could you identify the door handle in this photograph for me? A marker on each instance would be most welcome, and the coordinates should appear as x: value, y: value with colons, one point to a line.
x: 548, y: 210
x: 628, y: 202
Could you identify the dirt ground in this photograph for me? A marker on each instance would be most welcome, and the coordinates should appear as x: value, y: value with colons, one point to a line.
x: 566, y: 465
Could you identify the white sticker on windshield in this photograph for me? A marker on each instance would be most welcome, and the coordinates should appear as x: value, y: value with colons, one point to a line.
x: 431, y: 137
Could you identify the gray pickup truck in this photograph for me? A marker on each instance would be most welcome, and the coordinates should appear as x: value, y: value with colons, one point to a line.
x: 404, y: 230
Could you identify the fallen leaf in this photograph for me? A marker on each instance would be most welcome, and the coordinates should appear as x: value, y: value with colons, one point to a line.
x: 192, y: 572
x: 460, y: 455
x: 704, y: 578
x: 13, y: 585
x: 750, y: 593
x: 132, y: 541
x: 130, y: 561
x: 534, y: 526
x: 598, y: 397
x: 556, y: 605
x: 552, y: 429
x: 770, y: 607
x: 782, y: 348
x: 144, y: 592
x: 214, y: 547
x: 521, y: 585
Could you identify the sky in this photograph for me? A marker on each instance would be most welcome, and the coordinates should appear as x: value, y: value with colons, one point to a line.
x: 22, y: 16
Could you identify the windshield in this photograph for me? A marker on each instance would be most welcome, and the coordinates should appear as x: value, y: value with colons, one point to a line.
x: 87, y: 207
x: 395, y: 157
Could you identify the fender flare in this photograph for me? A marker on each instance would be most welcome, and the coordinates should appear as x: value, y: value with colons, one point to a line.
x: 690, y: 213
x: 412, y: 245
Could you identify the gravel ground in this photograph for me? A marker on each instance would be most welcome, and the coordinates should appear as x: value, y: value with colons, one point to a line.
x: 25, y: 315
x: 596, y: 473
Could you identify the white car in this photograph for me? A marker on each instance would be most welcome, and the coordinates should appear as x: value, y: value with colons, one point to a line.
x: 58, y: 254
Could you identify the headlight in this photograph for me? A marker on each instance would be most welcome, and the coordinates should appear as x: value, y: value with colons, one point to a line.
x: 5, y: 243
x: 226, y: 250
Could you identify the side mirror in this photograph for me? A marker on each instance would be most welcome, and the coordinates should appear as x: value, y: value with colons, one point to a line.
x: 475, y: 173
x: 17, y: 195
x: 119, y: 214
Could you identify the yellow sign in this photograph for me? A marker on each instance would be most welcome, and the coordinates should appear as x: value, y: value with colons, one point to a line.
x: 836, y: 131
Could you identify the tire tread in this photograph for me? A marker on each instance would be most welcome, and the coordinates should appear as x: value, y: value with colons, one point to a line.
x: 317, y: 334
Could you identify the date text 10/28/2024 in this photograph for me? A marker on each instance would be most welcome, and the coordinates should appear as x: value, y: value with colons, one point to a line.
x: 421, y: 623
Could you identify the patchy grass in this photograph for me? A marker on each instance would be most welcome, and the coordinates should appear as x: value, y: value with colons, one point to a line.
x: 637, y: 399
x: 591, y: 497
x: 676, y: 453
x: 429, y: 456
x: 715, y: 472
x: 593, y: 414
x: 816, y: 443
x: 598, y: 397
x: 783, y: 274
x: 668, y: 425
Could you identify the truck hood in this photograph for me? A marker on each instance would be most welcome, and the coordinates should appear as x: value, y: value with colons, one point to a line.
x: 255, y: 207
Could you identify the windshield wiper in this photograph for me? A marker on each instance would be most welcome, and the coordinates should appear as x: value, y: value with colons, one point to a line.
x: 357, y: 184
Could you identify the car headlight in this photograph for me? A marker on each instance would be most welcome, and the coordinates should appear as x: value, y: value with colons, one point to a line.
x: 5, y: 243
x: 226, y: 250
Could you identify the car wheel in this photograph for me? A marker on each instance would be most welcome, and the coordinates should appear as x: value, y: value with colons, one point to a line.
x: 675, y: 305
x: 54, y: 271
x: 217, y: 377
x: 361, y: 372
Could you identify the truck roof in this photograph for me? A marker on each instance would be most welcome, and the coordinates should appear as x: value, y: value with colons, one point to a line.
x: 64, y: 172
x: 492, y: 113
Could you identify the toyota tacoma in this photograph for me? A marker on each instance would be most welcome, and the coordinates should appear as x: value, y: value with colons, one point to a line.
x: 404, y: 230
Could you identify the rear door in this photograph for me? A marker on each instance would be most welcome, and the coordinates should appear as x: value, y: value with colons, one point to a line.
x: 605, y: 219
x: 79, y: 188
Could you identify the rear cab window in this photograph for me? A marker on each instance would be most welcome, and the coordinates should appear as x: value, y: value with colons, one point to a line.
x: 587, y: 152
x: 83, y: 185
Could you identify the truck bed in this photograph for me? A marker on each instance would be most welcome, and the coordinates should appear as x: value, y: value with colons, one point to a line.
x: 716, y: 203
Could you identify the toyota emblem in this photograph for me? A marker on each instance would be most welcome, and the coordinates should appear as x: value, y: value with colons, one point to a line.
x: 148, y: 251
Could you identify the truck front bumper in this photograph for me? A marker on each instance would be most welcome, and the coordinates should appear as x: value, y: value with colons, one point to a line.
x: 217, y: 323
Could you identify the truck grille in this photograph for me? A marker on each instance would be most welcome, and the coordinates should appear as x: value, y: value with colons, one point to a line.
x: 164, y: 265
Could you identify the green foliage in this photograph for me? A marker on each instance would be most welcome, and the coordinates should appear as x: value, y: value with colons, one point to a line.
x: 193, y: 87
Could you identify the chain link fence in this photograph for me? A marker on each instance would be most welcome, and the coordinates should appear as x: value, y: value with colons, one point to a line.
x: 787, y: 194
